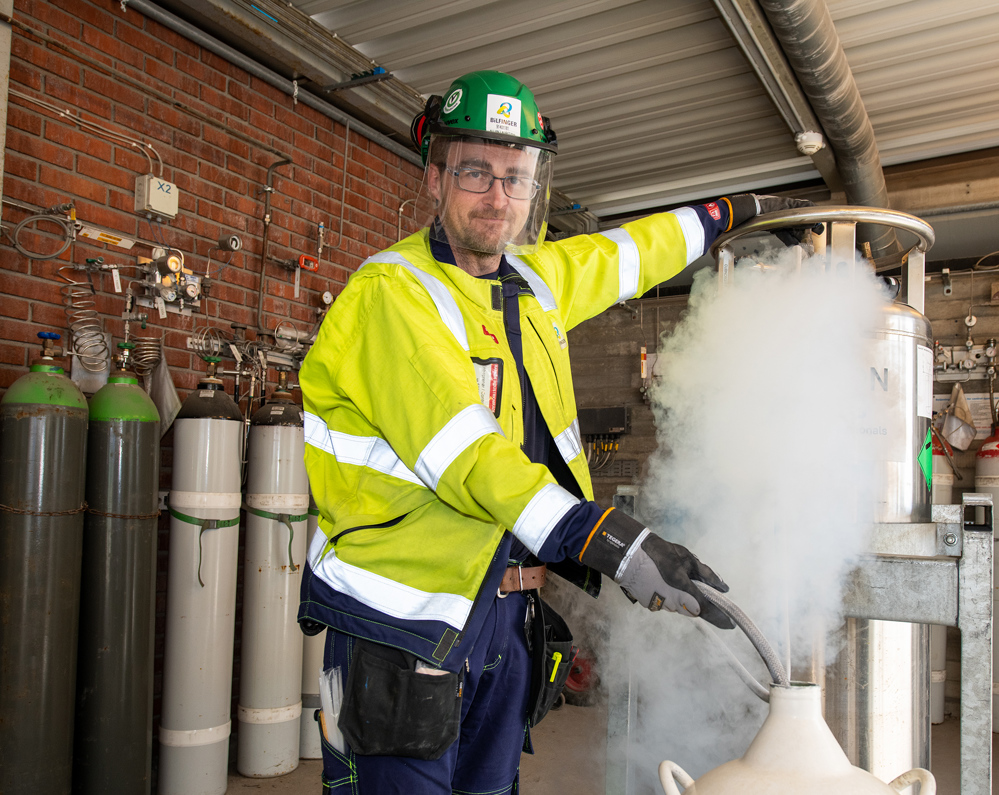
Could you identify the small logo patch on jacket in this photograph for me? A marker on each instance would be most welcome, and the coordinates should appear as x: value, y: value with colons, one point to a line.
x: 488, y: 333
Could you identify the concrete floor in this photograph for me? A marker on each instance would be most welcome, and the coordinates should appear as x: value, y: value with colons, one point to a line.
x: 570, y: 757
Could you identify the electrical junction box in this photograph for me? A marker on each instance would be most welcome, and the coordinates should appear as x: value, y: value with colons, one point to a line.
x: 155, y: 196
x: 611, y: 421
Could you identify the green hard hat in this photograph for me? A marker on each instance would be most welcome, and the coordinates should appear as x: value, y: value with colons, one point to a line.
x: 490, y: 105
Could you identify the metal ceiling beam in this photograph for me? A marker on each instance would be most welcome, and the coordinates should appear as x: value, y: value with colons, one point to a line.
x: 755, y: 38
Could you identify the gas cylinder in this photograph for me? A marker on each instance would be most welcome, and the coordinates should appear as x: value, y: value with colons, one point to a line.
x: 987, y: 482
x: 201, y: 592
x: 43, y: 443
x: 943, y: 494
x: 277, y: 502
x: 114, y: 690
x: 313, y: 646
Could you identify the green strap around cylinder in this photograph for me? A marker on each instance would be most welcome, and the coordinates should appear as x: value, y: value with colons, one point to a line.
x: 286, y: 519
x: 204, y: 524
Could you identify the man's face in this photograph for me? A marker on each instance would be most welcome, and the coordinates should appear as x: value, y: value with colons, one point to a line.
x: 483, y: 222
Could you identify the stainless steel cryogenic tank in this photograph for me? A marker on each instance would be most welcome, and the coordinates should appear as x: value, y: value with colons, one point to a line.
x: 877, y: 691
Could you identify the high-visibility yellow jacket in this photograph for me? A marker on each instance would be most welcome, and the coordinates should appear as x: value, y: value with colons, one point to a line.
x: 413, y: 426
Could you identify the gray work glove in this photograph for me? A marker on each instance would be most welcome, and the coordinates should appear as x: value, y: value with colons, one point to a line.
x: 651, y: 570
x: 748, y: 205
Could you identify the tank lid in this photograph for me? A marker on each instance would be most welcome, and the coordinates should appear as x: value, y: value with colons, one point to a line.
x: 278, y: 412
x: 209, y: 402
x: 45, y: 385
x: 121, y: 398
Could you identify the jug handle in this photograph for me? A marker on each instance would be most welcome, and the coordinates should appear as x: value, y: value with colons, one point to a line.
x: 927, y: 784
x: 670, y: 770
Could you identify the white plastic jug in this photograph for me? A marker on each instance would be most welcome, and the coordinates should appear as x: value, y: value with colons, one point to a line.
x: 793, y: 753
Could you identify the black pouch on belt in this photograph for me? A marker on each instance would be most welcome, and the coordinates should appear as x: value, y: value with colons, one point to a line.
x: 552, y: 653
x: 391, y: 709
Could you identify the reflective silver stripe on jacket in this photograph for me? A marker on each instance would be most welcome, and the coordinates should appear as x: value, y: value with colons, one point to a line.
x: 542, y: 514
x: 442, y: 298
x: 693, y: 231
x: 471, y: 423
x: 385, y: 595
x: 629, y: 263
x: 569, y: 442
x: 538, y: 286
x: 365, y: 451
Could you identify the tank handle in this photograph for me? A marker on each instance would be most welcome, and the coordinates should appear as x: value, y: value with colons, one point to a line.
x: 670, y: 773
x: 927, y: 784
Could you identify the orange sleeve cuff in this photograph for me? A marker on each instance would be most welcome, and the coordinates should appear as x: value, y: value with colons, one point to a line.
x: 731, y: 214
x: 594, y: 530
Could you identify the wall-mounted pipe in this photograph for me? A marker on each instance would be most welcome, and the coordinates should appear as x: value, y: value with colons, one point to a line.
x: 246, y: 63
x: 808, y: 37
x: 268, y: 190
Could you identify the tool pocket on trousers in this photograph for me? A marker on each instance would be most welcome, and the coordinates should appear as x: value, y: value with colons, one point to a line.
x: 391, y: 709
x: 552, y: 654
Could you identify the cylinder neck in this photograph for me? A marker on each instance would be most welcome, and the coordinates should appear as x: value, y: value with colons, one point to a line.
x: 801, y: 699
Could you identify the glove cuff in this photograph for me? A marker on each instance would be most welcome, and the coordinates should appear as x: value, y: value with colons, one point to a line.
x: 611, y: 544
x: 744, y: 206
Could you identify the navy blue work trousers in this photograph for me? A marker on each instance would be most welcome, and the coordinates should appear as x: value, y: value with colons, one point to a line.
x: 485, y: 759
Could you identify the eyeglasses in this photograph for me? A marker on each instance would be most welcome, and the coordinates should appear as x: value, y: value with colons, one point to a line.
x: 475, y: 180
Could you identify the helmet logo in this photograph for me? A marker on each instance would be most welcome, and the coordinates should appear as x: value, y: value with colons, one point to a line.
x: 503, y: 114
x: 452, y: 101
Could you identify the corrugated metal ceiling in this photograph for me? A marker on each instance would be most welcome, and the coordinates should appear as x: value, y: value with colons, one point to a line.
x: 653, y: 102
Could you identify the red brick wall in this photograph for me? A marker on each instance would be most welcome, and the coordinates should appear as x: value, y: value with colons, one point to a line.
x: 50, y: 161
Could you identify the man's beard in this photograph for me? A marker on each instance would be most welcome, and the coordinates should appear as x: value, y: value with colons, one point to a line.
x: 482, y: 241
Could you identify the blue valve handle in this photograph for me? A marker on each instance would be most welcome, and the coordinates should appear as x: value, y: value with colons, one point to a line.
x: 49, y: 335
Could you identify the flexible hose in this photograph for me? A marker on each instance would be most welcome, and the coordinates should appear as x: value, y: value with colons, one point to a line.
x: 735, y: 663
x: 745, y: 623
x: 63, y: 223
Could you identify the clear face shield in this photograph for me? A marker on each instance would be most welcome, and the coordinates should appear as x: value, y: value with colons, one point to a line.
x: 489, y: 197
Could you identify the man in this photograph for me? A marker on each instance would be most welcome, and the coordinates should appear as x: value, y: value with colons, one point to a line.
x: 445, y: 457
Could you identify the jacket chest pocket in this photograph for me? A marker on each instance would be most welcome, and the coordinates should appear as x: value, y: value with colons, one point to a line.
x: 553, y: 347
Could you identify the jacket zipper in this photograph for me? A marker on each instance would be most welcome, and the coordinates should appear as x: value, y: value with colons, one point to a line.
x: 550, y: 360
x: 520, y: 370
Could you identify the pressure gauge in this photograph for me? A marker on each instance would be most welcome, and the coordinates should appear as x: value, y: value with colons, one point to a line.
x: 327, y: 298
x: 191, y: 290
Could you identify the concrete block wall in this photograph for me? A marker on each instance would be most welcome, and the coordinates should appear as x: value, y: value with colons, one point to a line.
x: 220, y: 169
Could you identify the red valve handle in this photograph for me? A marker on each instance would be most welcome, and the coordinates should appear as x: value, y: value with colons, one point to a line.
x: 305, y: 262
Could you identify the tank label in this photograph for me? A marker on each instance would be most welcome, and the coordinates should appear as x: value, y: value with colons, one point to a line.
x: 924, y: 381
x: 925, y: 459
